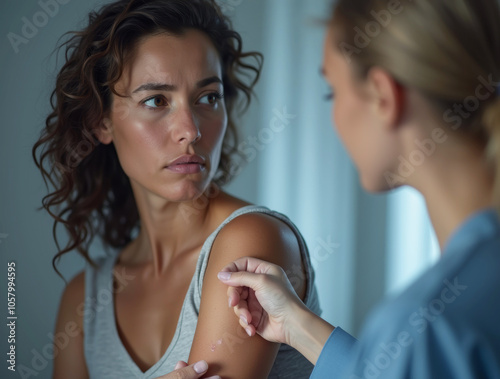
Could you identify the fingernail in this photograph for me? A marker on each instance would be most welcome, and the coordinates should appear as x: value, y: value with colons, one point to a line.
x: 200, y: 367
x: 244, y: 319
x: 229, y: 302
x: 214, y: 377
x: 247, y: 329
x: 223, y: 275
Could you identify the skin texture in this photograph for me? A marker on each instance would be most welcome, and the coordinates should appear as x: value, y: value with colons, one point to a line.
x: 378, y: 121
x: 150, y: 128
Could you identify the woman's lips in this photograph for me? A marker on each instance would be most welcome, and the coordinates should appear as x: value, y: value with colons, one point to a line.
x: 186, y: 168
x: 187, y: 164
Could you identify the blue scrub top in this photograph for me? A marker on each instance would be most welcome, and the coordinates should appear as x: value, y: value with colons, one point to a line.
x: 445, y: 325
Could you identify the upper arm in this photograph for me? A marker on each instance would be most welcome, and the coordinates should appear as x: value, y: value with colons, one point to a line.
x: 219, y: 339
x: 69, y: 358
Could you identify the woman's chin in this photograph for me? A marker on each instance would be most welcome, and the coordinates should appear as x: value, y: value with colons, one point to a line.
x: 187, y: 193
x: 375, y: 184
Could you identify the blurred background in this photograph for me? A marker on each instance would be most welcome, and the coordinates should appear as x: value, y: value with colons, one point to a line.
x: 363, y: 247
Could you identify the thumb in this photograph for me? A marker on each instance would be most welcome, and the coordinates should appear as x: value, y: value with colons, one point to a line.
x: 193, y: 371
x: 198, y: 368
x: 240, y: 279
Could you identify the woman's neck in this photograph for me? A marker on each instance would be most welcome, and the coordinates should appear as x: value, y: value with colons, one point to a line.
x: 456, y: 183
x: 167, y: 230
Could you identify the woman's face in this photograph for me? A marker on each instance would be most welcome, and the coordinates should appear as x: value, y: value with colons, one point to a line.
x: 357, y: 118
x: 169, y: 128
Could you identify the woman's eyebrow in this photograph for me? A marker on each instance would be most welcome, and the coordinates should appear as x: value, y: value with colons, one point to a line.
x: 155, y: 87
x: 169, y: 87
x: 205, y: 82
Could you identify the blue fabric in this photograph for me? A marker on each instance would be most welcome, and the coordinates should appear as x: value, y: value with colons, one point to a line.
x: 334, y: 356
x: 445, y: 325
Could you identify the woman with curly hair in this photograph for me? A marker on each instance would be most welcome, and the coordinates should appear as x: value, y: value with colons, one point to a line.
x: 140, y: 139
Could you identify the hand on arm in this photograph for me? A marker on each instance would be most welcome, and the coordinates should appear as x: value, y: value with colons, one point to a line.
x: 266, y: 304
x: 219, y: 339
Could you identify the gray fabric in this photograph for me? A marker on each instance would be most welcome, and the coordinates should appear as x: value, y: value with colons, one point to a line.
x: 105, y: 355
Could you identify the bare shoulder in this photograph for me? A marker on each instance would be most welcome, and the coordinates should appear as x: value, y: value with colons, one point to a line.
x: 70, y: 361
x: 258, y: 229
x: 77, y: 284
x: 76, y: 287
x: 72, y: 300
x: 261, y: 236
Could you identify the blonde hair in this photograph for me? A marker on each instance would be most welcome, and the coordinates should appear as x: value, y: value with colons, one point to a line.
x: 445, y: 49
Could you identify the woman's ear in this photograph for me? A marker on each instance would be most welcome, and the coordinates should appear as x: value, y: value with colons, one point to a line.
x: 105, y: 131
x: 389, y: 97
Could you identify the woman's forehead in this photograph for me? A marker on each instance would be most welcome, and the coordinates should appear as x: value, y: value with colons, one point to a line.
x: 172, y: 59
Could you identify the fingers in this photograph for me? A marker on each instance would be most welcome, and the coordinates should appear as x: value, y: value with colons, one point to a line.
x: 250, y: 264
x: 243, y: 313
x: 245, y: 317
x: 183, y: 371
x: 233, y: 294
x: 238, y: 297
x: 236, y: 279
x: 249, y: 328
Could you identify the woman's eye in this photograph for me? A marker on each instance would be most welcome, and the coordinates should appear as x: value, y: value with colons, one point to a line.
x: 211, y: 98
x: 156, y: 102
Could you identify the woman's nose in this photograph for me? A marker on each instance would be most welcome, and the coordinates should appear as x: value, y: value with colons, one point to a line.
x: 185, y: 128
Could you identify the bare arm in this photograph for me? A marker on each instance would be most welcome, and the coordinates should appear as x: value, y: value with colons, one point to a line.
x: 219, y: 338
x: 69, y: 361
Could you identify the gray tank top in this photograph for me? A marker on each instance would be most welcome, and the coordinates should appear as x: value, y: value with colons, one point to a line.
x: 105, y: 355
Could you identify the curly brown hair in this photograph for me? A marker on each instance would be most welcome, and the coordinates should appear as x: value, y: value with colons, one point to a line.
x: 92, y: 194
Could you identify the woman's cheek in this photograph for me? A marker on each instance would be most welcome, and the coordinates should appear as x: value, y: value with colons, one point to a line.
x: 338, y: 121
